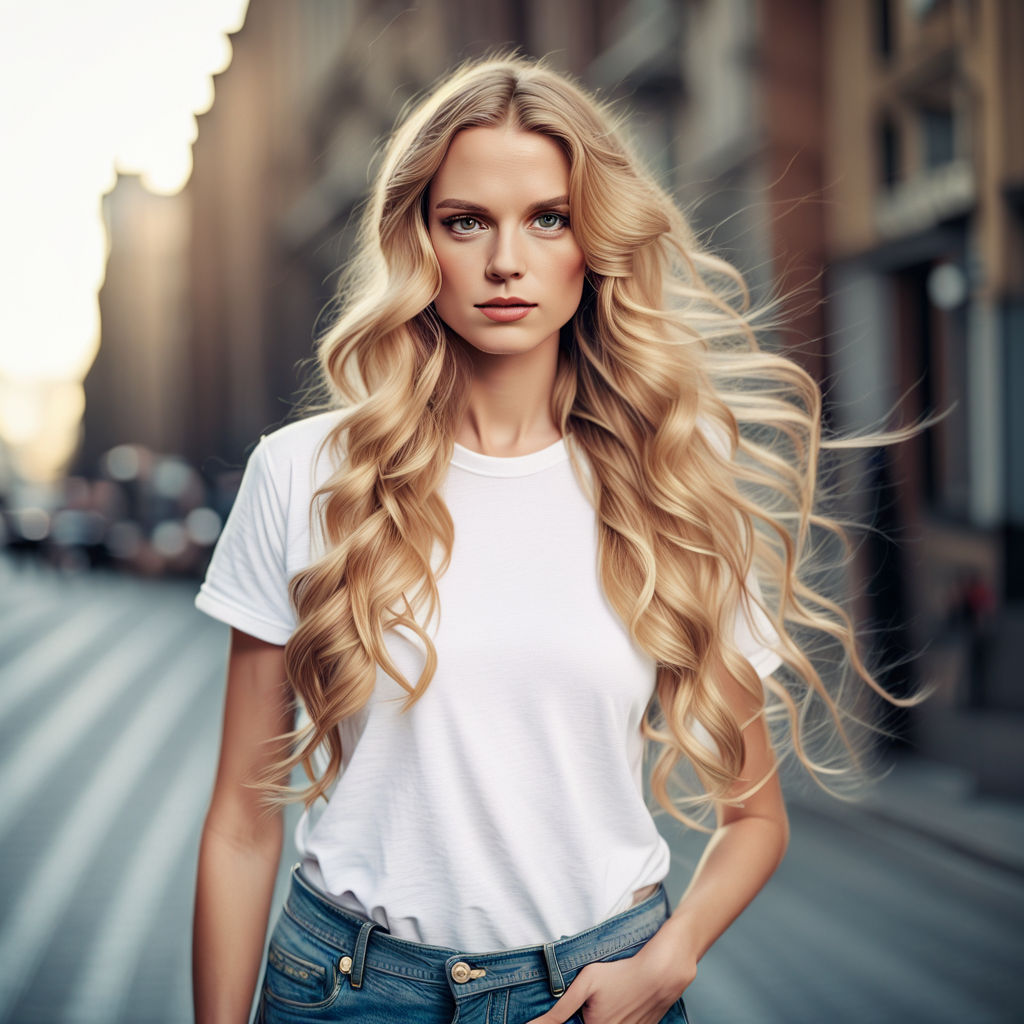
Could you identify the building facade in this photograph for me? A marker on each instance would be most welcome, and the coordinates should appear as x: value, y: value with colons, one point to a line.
x: 923, y: 170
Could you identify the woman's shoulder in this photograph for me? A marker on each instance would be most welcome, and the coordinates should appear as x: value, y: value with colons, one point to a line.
x: 296, y: 458
x: 300, y: 441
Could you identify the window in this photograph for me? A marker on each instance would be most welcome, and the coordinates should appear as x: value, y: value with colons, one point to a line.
x: 932, y: 322
x: 890, y: 169
x: 883, y: 28
x: 938, y: 134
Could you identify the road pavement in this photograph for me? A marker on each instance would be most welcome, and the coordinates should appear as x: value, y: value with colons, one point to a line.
x: 908, y: 909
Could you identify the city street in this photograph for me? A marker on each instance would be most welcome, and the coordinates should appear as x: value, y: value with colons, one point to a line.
x: 110, y: 703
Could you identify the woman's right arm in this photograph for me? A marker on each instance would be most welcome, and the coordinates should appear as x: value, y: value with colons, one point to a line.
x: 241, y: 841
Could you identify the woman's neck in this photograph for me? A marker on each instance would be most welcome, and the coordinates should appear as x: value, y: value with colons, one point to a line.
x: 509, y: 408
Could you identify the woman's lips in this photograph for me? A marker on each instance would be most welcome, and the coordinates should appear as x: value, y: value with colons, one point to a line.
x: 504, y: 311
x: 504, y: 314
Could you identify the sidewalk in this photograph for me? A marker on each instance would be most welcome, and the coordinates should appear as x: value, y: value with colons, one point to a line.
x: 937, y: 801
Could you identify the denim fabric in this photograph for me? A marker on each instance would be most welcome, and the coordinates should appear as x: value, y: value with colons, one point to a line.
x: 325, y: 964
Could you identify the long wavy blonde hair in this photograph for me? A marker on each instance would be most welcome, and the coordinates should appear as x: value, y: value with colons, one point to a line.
x: 702, y: 451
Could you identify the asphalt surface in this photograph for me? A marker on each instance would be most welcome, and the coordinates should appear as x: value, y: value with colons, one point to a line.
x: 110, y: 702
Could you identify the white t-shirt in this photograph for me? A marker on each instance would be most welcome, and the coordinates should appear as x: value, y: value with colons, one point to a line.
x: 506, y: 807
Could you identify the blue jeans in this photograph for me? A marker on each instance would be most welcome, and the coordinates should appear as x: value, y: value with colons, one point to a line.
x: 325, y: 964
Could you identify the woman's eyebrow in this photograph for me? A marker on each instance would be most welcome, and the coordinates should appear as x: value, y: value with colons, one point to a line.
x: 465, y: 204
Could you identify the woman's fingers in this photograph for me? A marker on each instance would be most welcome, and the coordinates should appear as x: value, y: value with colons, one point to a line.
x: 615, y: 992
x: 573, y: 999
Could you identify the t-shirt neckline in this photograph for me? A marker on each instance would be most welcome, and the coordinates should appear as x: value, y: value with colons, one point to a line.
x: 510, y: 465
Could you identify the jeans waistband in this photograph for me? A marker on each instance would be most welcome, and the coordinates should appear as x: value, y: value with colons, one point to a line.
x: 364, y: 944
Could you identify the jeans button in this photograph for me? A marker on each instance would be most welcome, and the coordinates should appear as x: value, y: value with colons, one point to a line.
x: 460, y: 972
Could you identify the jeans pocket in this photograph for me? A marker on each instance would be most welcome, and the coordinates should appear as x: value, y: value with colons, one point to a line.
x: 301, y: 971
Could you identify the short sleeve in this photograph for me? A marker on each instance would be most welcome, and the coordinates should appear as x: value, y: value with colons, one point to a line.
x: 753, y: 636
x: 246, y: 584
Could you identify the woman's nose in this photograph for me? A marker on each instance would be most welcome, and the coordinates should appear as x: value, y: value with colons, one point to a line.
x: 507, y: 259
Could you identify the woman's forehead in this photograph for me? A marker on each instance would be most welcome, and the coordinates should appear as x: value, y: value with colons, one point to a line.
x: 499, y: 166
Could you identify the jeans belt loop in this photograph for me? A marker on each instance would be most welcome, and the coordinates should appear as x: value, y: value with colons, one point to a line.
x: 555, y: 981
x: 359, y: 954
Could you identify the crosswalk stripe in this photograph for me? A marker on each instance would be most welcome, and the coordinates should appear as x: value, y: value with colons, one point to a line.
x: 55, y: 653
x: 61, y: 870
x: 130, y: 663
x: 100, y: 993
x: 25, y: 614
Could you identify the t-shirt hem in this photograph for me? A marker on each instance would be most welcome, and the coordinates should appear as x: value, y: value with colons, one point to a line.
x: 241, y: 618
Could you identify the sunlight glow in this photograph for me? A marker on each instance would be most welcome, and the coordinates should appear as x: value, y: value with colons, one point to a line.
x: 91, y: 90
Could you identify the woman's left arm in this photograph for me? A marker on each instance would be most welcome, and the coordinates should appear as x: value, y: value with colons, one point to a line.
x: 741, y: 855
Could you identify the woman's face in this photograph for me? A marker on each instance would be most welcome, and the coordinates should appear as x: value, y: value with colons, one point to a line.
x: 498, y: 216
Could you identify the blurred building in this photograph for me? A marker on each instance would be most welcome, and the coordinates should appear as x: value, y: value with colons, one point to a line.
x: 856, y: 157
x: 139, y: 384
x: 924, y: 173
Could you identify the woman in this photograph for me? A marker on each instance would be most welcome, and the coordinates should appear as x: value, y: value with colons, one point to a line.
x: 561, y: 502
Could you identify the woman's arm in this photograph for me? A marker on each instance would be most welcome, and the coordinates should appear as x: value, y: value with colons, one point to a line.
x: 241, y: 841
x: 741, y: 855
x: 744, y: 850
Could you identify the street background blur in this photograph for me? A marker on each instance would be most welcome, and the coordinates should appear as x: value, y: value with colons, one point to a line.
x: 861, y: 158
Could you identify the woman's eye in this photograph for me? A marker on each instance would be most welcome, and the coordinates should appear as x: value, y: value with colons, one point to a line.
x: 551, y: 221
x: 462, y: 225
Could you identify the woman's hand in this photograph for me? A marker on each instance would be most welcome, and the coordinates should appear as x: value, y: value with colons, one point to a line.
x: 637, y: 990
